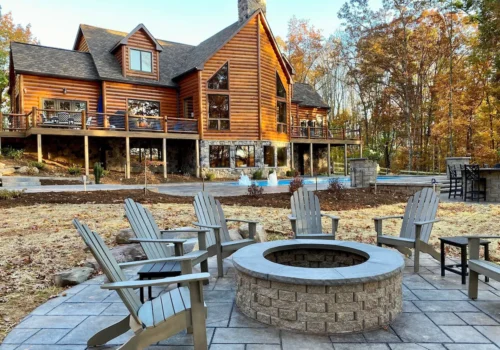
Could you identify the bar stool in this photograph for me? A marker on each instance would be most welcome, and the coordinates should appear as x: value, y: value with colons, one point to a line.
x: 478, y: 184
x: 456, y: 187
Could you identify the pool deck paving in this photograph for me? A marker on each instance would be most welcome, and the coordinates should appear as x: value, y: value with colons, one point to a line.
x: 437, y: 315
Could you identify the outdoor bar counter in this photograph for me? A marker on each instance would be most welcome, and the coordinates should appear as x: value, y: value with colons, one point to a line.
x: 492, y: 176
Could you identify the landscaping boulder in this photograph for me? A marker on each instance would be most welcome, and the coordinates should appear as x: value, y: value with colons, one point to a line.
x: 28, y: 170
x: 124, y: 236
x: 92, y: 263
x: 235, y: 235
x: 72, y: 277
x: 260, y: 232
x: 128, y: 252
x: 7, y: 171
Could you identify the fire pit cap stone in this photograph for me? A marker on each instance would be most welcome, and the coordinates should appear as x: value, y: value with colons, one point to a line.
x: 381, y: 263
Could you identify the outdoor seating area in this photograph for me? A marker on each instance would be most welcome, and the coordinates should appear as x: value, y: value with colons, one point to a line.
x: 470, y: 182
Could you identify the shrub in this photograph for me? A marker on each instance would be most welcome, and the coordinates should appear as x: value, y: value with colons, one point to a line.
x: 74, y: 170
x: 257, y: 175
x: 295, y: 184
x: 336, y: 188
x: 210, y: 176
x: 38, y: 165
x: 255, y: 190
x: 12, y: 153
x: 289, y: 173
x: 98, y: 172
x: 6, y: 194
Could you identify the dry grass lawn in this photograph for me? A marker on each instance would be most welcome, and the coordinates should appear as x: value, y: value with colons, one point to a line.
x: 37, y: 241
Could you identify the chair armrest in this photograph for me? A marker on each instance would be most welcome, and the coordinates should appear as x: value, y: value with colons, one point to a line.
x: 153, y: 261
x: 388, y: 217
x: 244, y: 221
x: 421, y: 223
x: 195, y: 277
x: 333, y: 217
x: 291, y: 217
x: 483, y: 237
x: 378, y: 222
x: 183, y: 230
x: 151, y: 240
x: 205, y: 225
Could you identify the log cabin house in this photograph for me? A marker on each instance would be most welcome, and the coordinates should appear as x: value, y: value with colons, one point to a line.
x: 228, y: 105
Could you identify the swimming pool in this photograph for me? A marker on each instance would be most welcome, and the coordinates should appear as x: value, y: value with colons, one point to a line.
x: 321, y: 180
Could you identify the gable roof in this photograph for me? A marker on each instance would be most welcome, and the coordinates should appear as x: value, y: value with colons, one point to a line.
x: 36, y: 59
x: 124, y: 41
x: 307, y: 96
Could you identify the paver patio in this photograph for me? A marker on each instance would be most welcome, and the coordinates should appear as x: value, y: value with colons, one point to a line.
x: 436, y: 315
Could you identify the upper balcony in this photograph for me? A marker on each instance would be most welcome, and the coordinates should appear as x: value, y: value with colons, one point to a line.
x: 309, y: 134
x: 61, y: 122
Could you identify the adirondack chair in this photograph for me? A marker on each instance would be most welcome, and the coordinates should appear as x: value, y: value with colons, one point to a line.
x: 479, y: 267
x: 306, y: 216
x: 218, y: 242
x: 419, y: 217
x: 178, y: 309
x: 150, y: 236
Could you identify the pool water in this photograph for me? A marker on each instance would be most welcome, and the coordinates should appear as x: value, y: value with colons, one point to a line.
x: 312, y: 180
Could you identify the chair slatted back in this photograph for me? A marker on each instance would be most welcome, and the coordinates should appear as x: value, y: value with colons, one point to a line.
x: 306, y: 209
x: 109, y: 266
x: 209, y: 211
x: 422, y: 206
x: 144, y: 226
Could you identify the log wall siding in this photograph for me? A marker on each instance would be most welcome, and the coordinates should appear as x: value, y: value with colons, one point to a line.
x: 38, y: 88
x: 82, y: 45
x: 188, y: 87
x: 241, y: 52
x: 117, y: 95
x: 270, y: 64
x: 307, y: 113
x: 141, y: 41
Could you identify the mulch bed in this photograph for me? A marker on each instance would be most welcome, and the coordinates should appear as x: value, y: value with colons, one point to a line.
x: 49, y: 182
x: 351, y: 199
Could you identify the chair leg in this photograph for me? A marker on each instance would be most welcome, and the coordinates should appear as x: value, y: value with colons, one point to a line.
x: 109, y: 333
x: 204, y: 268
x: 416, y: 260
x: 220, y: 262
x: 473, y: 284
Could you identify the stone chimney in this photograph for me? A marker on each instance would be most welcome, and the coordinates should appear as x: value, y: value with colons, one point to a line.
x: 247, y: 7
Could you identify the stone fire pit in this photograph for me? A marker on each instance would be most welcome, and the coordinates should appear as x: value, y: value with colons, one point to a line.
x: 319, y: 286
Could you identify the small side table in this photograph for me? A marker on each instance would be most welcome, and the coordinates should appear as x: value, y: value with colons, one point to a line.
x: 462, y: 243
x: 157, y: 270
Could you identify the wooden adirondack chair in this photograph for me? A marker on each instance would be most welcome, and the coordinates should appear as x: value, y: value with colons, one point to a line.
x: 150, y: 237
x: 306, y: 216
x: 419, y: 217
x: 178, y: 309
x: 218, y: 242
x: 480, y: 267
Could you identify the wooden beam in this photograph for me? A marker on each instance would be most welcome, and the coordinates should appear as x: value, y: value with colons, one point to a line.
x: 127, y: 162
x: 360, y: 150
x: 259, y: 79
x: 107, y: 133
x: 86, y: 154
x: 21, y: 93
x: 197, y: 151
x: 164, y: 154
x: 39, y: 147
x: 345, y: 159
x: 311, y: 160
x: 200, y: 104
x: 292, y: 164
x: 329, y: 160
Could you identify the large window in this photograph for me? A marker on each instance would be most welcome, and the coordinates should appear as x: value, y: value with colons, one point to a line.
x: 141, y: 60
x: 269, y: 156
x: 219, y: 156
x: 245, y: 156
x: 280, y: 88
x: 282, y: 156
x: 218, y: 112
x: 220, y: 80
x: 188, y: 108
x: 65, y: 105
x: 142, y: 107
x: 281, y: 126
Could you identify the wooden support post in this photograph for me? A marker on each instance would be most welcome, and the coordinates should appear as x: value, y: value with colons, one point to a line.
x: 164, y: 154
x: 126, y: 121
x: 345, y: 160
x: 127, y: 164
x: 86, y: 152
x: 329, y: 160
x: 292, y: 165
x: 1, y: 121
x: 34, y: 117
x: 0, y: 146
x: 39, y: 147
x: 311, y: 160
x: 360, y: 150
x: 197, y: 152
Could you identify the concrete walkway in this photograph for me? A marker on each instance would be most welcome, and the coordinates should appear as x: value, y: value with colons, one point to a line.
x: 437, y: 315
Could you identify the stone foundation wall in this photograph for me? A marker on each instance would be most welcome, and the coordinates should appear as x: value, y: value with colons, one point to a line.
x: 363, y: 172
x: 315, y: 258
x: 320, y: 309
x: 404, y: 189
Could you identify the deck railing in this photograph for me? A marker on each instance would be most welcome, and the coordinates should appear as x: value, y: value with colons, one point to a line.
x: 15, y: 122
x: 309, y: 132
x: 183, y: 125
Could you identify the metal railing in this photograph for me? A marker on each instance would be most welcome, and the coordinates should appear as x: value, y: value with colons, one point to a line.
x: 15, y: 122
x: 310, y: 132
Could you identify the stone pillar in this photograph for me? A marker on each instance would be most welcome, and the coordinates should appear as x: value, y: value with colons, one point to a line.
x: 456, y: 161
x: 363, y: 171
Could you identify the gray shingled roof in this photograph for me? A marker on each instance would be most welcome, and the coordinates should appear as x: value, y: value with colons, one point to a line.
x: 306, y: 95
x: 37, y: 59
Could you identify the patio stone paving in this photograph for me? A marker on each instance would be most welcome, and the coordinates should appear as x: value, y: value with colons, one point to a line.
x: 437, y: 315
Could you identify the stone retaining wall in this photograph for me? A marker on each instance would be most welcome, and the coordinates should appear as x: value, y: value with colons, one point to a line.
x: 363, y: 172
x: 320, y: 309
x: 403, y: 189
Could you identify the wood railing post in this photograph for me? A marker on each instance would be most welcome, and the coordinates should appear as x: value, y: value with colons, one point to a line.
x: 84, y: 122
x: 104, y: 120
x: 34, y: 117
x: 343, y: 133
x: 126, y: 122
x: 165, y: 124
x: 308, y: 132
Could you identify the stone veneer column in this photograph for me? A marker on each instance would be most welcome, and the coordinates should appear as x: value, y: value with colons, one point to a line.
x: 457, y: 161
x: 363, y: 171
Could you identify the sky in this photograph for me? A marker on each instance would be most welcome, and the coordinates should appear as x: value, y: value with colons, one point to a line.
x: 55, y: 22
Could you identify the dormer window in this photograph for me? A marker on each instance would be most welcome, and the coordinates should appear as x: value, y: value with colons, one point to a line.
x: 141, y: 60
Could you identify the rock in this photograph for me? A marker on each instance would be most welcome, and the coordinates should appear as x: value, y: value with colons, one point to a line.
x: 128, y: 252
x: 235, y: 235
x: 92, y: 263
x: 28, y: 170
x: 72, y: 277
x: 2, y: 165
x: 7, y: 171
x: 124, y: 236
x: 260, y: 232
